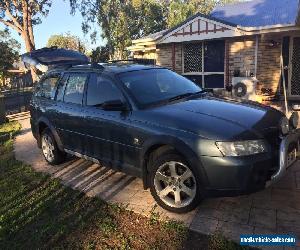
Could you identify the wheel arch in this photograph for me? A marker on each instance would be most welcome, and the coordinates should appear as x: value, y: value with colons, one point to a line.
x: 45, y: 123
x: 165, y: 143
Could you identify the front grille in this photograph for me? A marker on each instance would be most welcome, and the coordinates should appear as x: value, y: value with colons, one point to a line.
x: 273, y: 138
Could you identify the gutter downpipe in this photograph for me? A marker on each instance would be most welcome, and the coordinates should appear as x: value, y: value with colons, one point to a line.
x: 284, y: 86
x: 256, y: 55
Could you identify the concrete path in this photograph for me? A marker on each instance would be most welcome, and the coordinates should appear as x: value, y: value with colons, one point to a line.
x: 274, y: 210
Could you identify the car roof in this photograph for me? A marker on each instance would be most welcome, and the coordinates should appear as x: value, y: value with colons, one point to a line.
x: 114, y: 68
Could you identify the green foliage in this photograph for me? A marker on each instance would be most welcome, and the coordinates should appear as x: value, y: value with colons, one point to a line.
x: 180, y: 10
x: 10, y: 127
x: 121, y: 21
x: 179, y: 227
x: 67, y: 41
x: 9, y: 52
x: 100, y: 54
x: 12, y: 11
x: 22, y: 15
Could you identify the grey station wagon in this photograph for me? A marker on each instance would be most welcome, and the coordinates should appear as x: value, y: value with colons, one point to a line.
x: 186, y: 144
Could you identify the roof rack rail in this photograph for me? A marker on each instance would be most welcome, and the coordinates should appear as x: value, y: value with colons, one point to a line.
x: 136, y: 60
x: 97, y: 65
x: 116, y: 61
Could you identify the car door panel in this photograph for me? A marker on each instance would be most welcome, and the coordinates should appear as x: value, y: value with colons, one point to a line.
x: 108, y: 133
x: 69, y: 113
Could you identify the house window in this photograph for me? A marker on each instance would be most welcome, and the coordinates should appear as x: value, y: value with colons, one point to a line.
x: 204, y: 63
x: 193, y: 57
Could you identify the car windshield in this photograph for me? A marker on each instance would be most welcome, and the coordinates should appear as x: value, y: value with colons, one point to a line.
x: 153, y: 86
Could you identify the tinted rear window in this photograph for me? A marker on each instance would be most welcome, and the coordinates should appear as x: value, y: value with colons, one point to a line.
x: 75, y: 89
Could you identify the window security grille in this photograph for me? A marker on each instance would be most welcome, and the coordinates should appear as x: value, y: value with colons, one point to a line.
x: 193, y: 57
x: 295, y: 86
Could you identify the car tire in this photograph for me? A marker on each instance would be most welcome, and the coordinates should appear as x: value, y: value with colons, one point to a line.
x: 174, y: 185
x: 52, y: 154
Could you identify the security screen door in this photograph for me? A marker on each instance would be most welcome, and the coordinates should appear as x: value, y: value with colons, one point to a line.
x: 295, y: 68
x: 203, y: 62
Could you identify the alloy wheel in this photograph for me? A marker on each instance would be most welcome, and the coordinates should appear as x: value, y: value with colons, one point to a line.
x: 175, y: 184
x: 48, y: 147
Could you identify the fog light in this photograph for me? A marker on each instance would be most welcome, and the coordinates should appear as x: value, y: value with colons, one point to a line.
x: 294, y: 119
x: 284, y: 126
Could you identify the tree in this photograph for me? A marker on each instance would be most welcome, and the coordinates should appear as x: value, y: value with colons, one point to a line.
x: 21, y: 16
x: 121, y: 21
x: 9, y: 52
x: 67, y: 41
x: 8, y: 55
x: 100, y: 54
x: 180, y: 10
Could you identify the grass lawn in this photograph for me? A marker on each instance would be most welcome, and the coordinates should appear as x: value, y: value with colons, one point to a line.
x: 37, y: 212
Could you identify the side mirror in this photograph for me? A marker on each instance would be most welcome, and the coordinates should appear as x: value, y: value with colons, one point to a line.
x: 114, y: 105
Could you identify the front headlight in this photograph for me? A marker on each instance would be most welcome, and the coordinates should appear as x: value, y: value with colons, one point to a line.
x: 242, y: 148
x: 284, y: 126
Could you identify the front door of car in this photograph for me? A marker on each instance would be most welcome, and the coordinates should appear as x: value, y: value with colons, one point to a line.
x: 106, y: 131
x: 69, y: 112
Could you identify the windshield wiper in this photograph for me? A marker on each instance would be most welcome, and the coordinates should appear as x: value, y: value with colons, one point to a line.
x: 178, y: 97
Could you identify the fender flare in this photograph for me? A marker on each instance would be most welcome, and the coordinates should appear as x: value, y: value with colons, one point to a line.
x: 53, y: 131
x: 190, y: 156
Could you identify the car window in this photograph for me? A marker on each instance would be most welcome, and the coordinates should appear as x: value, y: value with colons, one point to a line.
x: 75, y: 89
x: 156, y: 85
x: 47, y: 86
x: 101, y: 89
x: 61, y: 88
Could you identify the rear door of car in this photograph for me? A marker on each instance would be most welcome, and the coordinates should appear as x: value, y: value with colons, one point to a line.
x: 69, y: 111
x: 107, y: 131
x: 43, y: 103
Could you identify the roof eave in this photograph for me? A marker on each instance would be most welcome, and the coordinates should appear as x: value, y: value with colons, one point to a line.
x: 267, y: 27
x: 144, y: 40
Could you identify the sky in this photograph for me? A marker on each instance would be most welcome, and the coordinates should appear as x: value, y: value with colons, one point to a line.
x: 58, y: 21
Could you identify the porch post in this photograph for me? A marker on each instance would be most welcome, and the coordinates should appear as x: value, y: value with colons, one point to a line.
x: 173, y: 56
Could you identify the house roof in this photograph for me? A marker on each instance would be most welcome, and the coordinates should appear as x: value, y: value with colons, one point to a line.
x: 259, y: 13
x: 244, y: 16
x: 153, y: 36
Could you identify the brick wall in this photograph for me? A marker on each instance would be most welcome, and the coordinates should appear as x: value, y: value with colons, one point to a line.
x: 178, y: 58
x: 241, y: 52
x: 242, y: 56
x: 268, y: 70
x: 164, y: 56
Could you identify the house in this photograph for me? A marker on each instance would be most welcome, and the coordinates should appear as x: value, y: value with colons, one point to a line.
x: 248, y: 38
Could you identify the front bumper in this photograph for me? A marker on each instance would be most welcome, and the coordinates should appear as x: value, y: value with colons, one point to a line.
x: 230, y: 176
x: 284, y: 161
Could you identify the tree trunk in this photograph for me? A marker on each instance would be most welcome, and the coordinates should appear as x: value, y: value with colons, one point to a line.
x: 28, y: 35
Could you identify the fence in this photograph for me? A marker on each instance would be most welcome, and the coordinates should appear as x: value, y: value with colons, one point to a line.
x: 16, y: 94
